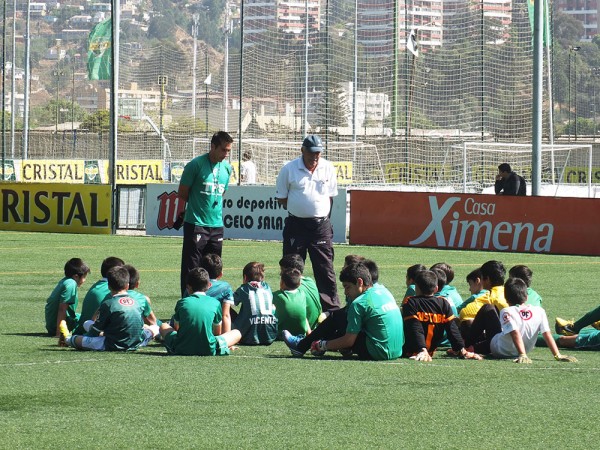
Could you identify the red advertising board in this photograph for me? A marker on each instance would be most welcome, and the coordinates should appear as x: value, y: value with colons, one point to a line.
x: 475, y: 221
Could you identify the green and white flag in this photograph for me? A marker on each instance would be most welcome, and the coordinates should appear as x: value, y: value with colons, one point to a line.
x: 99, y: 51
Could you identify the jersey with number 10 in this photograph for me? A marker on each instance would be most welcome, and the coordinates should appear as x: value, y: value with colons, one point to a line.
x: 256, y: 319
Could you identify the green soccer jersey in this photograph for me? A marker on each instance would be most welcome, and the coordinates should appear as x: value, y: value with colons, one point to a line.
x: 451, y: 294
x: 533, y: 298
x: 195, y: 315
x: 147, y: 309
x: 376, y: 313
x: 91, y: 302
x: 313, y: 301
x: 256, y: 320
x: 207, y: 182
x: 221, y: 290
x: 290, y: 310
x: 65, y: 292
x: 121, y: 320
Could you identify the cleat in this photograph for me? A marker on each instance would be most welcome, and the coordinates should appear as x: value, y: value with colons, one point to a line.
x: 564, y: 327
x: 292, y: 342
x: 64, y: 334
x: 596, y: 325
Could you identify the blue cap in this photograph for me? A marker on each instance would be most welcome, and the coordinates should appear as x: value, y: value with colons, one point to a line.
x: 313, y: 143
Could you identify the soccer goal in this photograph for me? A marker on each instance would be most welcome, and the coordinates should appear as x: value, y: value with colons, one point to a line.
x: 562, y: 165
x: 355, y: 162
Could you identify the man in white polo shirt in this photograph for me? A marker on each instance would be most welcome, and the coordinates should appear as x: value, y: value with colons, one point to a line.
x: 306, y: 187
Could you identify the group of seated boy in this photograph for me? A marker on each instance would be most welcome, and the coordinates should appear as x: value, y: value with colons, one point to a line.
x: 501, y: 319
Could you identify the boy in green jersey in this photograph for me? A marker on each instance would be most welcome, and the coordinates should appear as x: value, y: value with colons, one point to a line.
x: 411, y: 273
x: 98, y: 292
x: 219, y: 289
x: 375, y: 328
x: 120, y: 322
x: 62, y: 302
x: 307, y: 285
x: 526, y: 274
x: 197, y: 322
x: 290, y: 304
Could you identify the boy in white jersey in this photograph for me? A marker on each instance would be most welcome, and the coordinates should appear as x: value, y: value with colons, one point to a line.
x: 516, y: 331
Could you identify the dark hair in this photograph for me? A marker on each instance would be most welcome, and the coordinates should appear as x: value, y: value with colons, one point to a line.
x: 441, y: 277
x: 292, y: 261
x: 111, y: 261
x: 118, y: 278
x: 351, y: 274
x: 504, y: 167
x: 427, y: 282
x: 474, y: 275
x: 448, y: 270
x: 247, y: 155
x: 373, y: 269
x: 213, y: 264
x: 412, y: 271
x: 291, y: 278
x: 515, y: 291
x: 522, y: 272
x: 494, y: 271
x: 221, y: 137
x: 76, y: 266
x: 254, y: 271
x: 352, y: 259
x: 134, y: 275
x: 198, y: 280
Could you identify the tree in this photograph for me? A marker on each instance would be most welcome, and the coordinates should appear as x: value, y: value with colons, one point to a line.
x: 332, y: 109
x: 96, y: 122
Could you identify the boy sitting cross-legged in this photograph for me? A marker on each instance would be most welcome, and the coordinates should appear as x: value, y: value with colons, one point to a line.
x: 197, y: 322
x: 120, y: 322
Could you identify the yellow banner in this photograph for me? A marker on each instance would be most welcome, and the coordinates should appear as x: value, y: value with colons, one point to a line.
x: 579, y: 175
x: 140, y: 171
x: 60, y: 208
x: 52, y: 171
x: 344, y: 171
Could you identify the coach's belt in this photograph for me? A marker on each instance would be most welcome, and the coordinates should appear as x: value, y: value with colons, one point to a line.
x: 309, y: 219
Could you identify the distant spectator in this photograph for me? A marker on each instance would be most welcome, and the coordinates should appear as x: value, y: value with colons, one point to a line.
x: 248, y: 169
x: 509, y: 182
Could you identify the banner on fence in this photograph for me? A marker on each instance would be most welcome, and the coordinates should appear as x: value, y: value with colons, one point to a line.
x: 60, y: 208
x: 249, y: 212
x: 476, y: 222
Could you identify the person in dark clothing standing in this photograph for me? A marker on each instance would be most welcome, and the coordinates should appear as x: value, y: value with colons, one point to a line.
x: 509, y: 182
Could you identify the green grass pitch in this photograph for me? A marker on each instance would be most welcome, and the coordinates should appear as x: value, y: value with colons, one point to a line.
x: 259, y: 397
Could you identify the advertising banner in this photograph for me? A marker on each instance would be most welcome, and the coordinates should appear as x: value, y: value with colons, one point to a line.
x: 476, y: 222
x: 143, y: 171
x: 249, y: 212
x: 58, y: 208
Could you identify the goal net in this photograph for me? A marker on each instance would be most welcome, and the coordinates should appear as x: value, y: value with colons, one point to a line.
x: 475, y: 164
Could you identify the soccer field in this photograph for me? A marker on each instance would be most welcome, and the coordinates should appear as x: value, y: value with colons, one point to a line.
x: 259, y: 397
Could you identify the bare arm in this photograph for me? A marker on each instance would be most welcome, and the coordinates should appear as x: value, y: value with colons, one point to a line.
x: 554, y: 349
x: 515, y: 335
x: 346, y: 341
x: 282, y: 202
x: 216, y: 329
x: 226, y: 323
x: 184, y: 192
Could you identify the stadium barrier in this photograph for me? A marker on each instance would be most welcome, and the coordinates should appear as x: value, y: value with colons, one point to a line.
x: 53, y: 207
x: 249, y: 212
x: 475, y: 222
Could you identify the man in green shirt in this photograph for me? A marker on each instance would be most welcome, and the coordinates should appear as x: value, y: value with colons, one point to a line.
x: 203, y: 184
x: 375, y: 329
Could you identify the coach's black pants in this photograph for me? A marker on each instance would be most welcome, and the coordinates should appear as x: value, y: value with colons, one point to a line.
x: 315, y: 236
x: 198, y: 241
